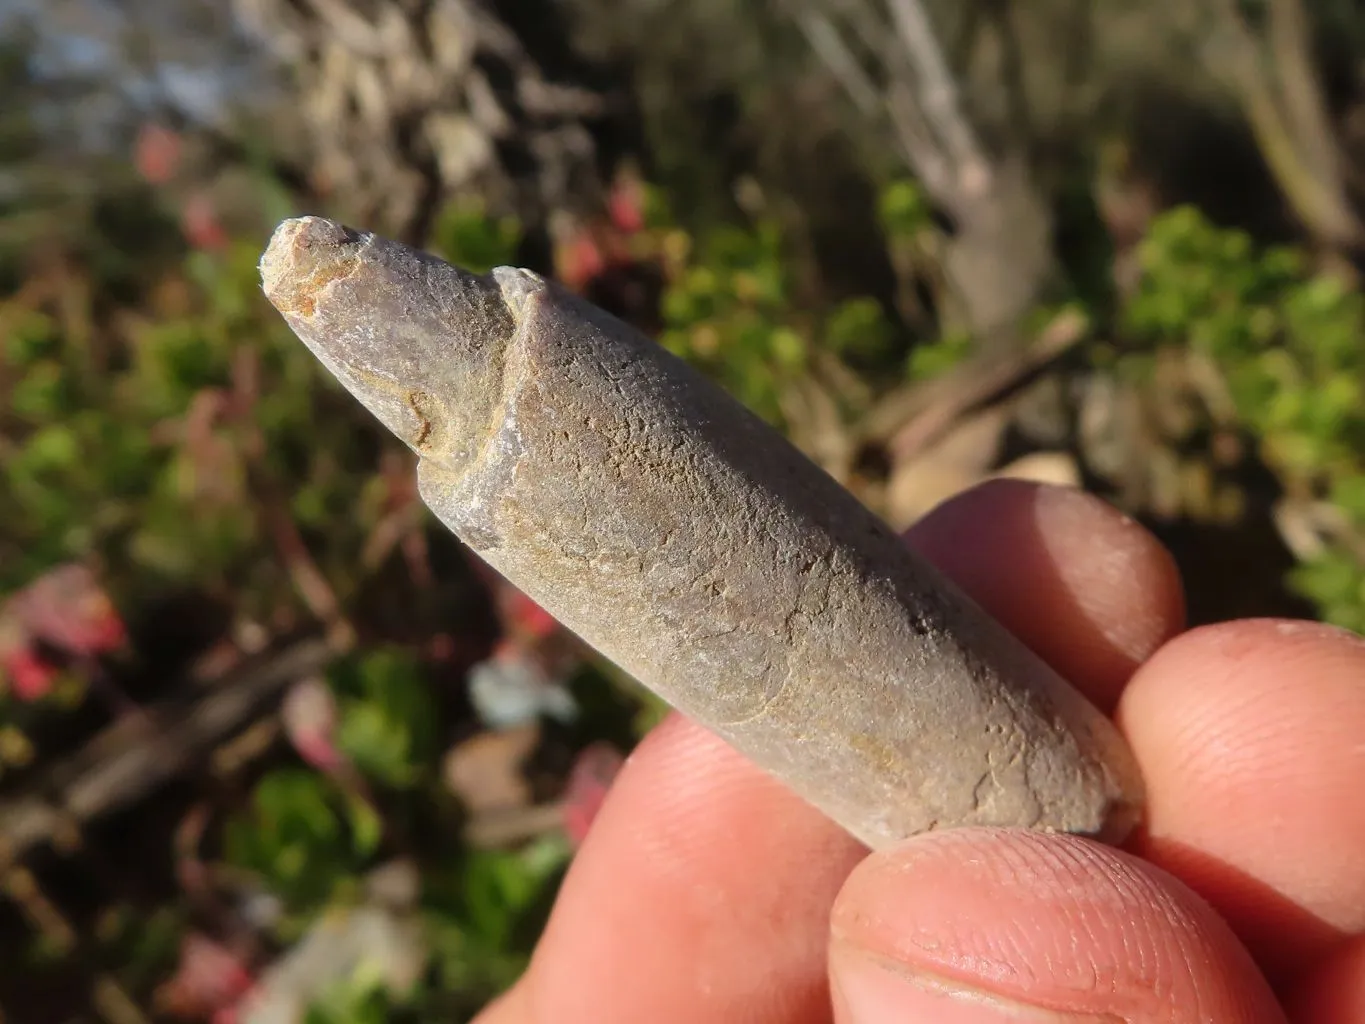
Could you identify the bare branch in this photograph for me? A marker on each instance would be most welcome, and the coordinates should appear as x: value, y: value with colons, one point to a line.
x: 868, y: 24
x: 921, y: 151
x: 830, y: 48
x: 1000, y: 254
x: 134, y: 756
x: 1284, y: 107
x: 910, y: 420
x: 938, y: 95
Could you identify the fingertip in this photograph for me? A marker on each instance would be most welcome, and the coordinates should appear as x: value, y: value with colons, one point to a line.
x: 1248, y: 734
x: 869, y: 990
x: 1087, y: 587
x: 1049, y: 922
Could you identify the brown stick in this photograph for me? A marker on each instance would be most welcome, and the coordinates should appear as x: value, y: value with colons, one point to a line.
x: 915, y: 418
x: 135, y: 755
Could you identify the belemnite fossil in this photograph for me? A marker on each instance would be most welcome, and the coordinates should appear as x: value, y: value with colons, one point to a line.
x: 695, y: 547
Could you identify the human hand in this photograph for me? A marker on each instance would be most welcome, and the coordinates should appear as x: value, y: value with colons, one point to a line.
x: 707, y: 892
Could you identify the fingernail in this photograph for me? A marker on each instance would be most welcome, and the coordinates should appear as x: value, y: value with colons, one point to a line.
x: 870, y: 991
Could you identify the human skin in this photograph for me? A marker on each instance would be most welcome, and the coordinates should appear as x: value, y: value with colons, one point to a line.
x: 708, y: 892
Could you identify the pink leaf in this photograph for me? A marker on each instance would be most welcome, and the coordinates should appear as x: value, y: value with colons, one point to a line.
x: 309, y: 713
x: 30, y: 678
x: 581, y: 260
x: 68, y: 609
x: 626, y: 206
x: 589, y: 782
x: 209, y: 979
x: 156, y: 154
x: 528, y: 618
x: 201, y: 225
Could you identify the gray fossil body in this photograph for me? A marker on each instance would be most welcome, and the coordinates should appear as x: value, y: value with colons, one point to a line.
x: 691, y: 544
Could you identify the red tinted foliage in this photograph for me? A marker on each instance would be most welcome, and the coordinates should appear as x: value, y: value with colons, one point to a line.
x: 199, y: 221
x: 310, y: 716
x: 63, y: 612
x: 209, y: 982
x: 69, y: 610
x: 30, y: 678
x: 156, y: 153
x: 525, y: 619
x: 579, y: 261
x: 626, y: 205
x: 589, y: 782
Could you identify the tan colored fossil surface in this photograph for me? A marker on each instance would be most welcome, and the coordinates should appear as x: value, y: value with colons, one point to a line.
x: 691, y: 544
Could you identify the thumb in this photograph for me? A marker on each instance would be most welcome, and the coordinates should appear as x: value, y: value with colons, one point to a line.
x: 973, y: 926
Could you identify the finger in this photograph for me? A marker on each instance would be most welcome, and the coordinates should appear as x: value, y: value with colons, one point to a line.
x: 703, y: 892
x: 981, y: 925
x: 1334, y: 991
x: 1085, y: 586
x: 1249, y: 735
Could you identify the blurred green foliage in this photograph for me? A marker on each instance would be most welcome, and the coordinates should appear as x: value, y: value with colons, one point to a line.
x: 727, y: 312
x: 159, y: 421
x: 137, y: 449
x: 732, y: 310
x: 308, y: 838
x: 1287, y: 341
x: 297, y: 839
x: 387, y: 721
x: 153, y: 436
x: 141, y: 446
x: 465, y: 233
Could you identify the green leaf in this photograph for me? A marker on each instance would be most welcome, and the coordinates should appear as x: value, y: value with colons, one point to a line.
x: 903, y: 210
x: 52, y: 449
x: 467, y: 236
x: 859, y: 330
x: 367, y: 827
x: 41, y: 393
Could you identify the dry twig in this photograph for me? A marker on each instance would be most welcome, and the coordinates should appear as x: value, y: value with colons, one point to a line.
x: 135, y: 755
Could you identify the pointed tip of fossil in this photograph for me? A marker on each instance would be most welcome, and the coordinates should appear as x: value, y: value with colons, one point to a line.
x: 304, y: 254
